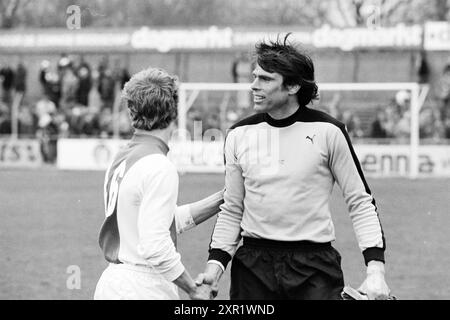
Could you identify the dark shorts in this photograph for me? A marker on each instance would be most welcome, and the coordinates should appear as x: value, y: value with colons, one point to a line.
x: 301, y: 270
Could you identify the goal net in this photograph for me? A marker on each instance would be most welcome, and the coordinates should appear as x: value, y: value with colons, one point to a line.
x: 382, y: 120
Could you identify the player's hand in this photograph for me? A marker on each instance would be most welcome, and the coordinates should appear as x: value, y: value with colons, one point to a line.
x: 375, y: 286
x: 209, y: 280
x: 202, y: 292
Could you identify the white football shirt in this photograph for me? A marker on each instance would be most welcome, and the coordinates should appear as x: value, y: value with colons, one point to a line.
x: 141, y: 190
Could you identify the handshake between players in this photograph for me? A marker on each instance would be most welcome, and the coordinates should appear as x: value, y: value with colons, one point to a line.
x: 206, y: 290
x: 286, y: 252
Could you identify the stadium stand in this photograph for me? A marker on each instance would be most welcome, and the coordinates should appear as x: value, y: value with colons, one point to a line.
x: 77, y: 100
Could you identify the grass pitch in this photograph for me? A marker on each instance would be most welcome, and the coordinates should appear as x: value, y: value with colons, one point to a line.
x: 50, y: 221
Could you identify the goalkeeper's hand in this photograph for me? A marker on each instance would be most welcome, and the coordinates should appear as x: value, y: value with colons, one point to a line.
x: 375, y: 286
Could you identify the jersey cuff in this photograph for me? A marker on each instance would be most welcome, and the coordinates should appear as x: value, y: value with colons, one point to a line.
x: 174, y: 273
x: 219, y: 255
x: 373, y: 254
x: 217, y: 263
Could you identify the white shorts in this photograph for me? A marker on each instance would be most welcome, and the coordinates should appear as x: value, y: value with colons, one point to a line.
x: 128, y: 282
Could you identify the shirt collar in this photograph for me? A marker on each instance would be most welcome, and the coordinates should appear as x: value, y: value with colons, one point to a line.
x: 285, y: 122
x: 144, y: 136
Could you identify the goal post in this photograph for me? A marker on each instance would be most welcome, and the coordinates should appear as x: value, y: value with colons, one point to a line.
x: 189, y: 93
x: 185, y: 101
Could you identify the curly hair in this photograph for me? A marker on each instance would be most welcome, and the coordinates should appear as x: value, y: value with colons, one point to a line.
x: 152, y: 99
x: 296, y: 67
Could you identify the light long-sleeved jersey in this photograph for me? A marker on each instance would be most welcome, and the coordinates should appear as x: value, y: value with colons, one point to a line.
x: 279, y: 179
x: 141, y: 190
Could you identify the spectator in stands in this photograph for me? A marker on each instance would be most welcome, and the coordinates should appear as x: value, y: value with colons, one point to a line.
x: 378, y: 126
x: 402, y: 100
x: 353, y: 124
x: 27, y: 122
x: 423, y: 69
x: 89, y: 122
x: 69, y: 85
x: 106, y: 122
x: 443, y: 91
x: 241, y: 72
x: 44, y: 110
x: 50, y: 82
x: 431, y: 125
x: 62, y: 62
x: 21, y: 78
x: 44, y: 68
x: 392, y: 119
x: 106, y: 85
x: 94, y: 99
x: 62, y: 125
x: 120, y: 73
x: 241, y: 68
x: 83, y: 72
x: 402, y: 129
x: 7, y: 75
x: 446, y: 124
x: 48, y: 140
x: 74, y: 118
x: 5, y: 119
x: 47, y: 128
x: 439, y: 126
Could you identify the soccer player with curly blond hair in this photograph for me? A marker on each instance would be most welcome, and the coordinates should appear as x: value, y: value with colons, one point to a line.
x: 138, y: 236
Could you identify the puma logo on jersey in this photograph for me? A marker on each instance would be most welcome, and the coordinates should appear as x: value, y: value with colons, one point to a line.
x: 312, y: 139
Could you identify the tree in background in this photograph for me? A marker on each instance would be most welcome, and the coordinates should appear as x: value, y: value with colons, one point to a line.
x: 135, y: 13
x: 9, y: 12
x: 353, y: 13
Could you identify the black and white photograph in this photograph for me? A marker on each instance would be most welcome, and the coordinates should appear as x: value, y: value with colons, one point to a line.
x: 240, y: 152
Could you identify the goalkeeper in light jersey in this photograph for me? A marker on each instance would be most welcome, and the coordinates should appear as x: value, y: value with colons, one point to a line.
x: 138, y: 236
x: 281, y: 165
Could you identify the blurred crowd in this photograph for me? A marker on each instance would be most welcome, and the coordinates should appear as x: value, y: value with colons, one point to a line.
x: 393, y: 120
x: 78, y: 100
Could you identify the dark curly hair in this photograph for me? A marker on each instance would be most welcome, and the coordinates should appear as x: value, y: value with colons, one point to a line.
x: 152, y: 99
x: 296, y: 67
